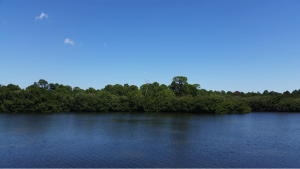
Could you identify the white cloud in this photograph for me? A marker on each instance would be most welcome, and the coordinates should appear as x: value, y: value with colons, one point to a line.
x: 43, y: 15
x: 104, y: 44
x: 69, y: 41
x: 81, y: 44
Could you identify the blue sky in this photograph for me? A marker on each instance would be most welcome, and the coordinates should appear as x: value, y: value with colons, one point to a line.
x: 244, y: 45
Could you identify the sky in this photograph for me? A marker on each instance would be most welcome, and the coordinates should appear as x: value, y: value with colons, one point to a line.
x: 230, y: 45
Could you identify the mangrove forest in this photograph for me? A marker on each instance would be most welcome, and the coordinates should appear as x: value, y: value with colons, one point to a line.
x: 179, y: 96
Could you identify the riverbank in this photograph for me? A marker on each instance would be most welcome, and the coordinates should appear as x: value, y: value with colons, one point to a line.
x: 186, y: 98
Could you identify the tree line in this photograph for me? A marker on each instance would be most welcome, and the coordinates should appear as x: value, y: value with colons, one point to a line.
x: 179, y: 96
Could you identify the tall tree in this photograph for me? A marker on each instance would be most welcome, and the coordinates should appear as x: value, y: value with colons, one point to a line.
x: 177, y: 85
x: 43, y: 83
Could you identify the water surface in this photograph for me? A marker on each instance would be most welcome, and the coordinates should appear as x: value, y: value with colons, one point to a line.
x: 149, y: 140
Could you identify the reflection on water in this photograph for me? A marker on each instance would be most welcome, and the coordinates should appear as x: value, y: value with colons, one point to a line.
x: 149, y: 140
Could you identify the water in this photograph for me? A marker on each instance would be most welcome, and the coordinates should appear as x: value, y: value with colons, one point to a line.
x: 149, y: 140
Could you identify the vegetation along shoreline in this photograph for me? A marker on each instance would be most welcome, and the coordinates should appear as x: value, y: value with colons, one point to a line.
x: 179, y: 96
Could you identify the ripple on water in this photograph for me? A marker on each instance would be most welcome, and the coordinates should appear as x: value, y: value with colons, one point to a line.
x: 149, y: 140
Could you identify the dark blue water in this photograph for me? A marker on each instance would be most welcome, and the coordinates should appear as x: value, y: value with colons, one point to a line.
x: 149, y: 140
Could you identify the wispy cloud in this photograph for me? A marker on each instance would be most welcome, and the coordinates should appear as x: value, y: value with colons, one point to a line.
x: 43, y: 15
x: 80, y: 44
x: 67, y: 40
x: 105, y: 44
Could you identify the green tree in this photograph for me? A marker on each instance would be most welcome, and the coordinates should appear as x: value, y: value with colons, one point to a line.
x: 109, y: 88
x: 43, y: 83
x: 91, y: 90
x: 52, y: 87
x: 12, y: 87
x: 118, y: 90
x: 266, y: 92
x: 177, y: 85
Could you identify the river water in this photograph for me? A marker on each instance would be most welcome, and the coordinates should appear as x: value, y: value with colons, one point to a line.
x: 131, y: 140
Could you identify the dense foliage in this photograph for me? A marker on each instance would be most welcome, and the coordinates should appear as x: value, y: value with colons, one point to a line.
x: 179, y: 96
